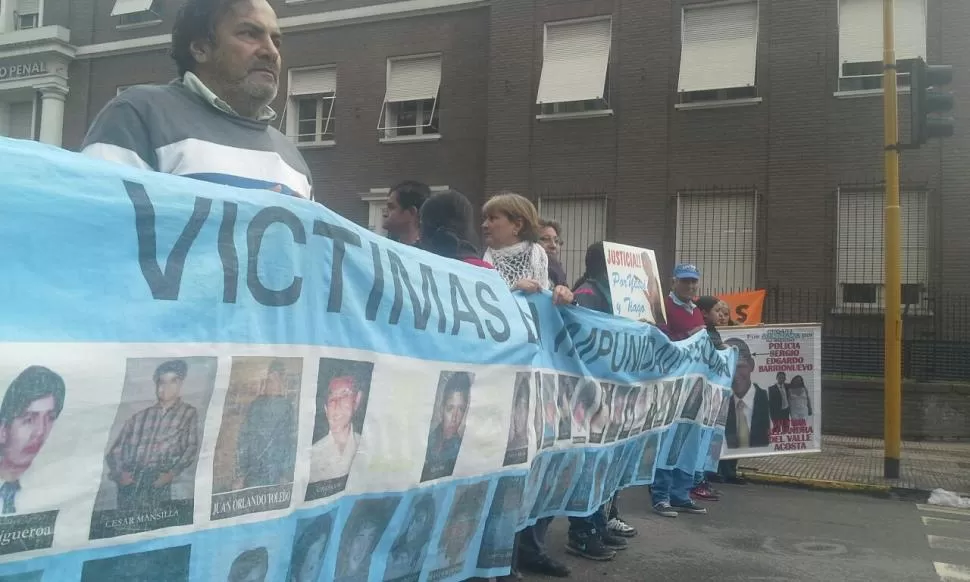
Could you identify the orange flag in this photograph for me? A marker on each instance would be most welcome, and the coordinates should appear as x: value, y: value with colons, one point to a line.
x: 746, y: 306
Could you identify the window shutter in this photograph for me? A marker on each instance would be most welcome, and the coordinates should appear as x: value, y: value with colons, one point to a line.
x: 719, y: 47
x: 860, y: 30
x: 28, y: 7
x: 413, y: 79
x: 575, y: 58
x: 123, y: 7
x: 313, y: 81
x: 915, y: 239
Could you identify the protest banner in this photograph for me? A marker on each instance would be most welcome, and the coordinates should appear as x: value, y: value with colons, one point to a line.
x: 635, y: 283
x: 206, y: 383
x: 746, y: 306
x: 776, y: 406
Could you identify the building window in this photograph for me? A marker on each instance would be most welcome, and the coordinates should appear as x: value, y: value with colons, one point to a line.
x: 27, y: 14
x: 719, y: 52
x: 411, y: 102
x: 310, y: 109
x: 716, y: 230
x: 860, y: 42
x: 583, y: 220
x: 861, y: 267
x: 134, y: 12
x: 575, y: 64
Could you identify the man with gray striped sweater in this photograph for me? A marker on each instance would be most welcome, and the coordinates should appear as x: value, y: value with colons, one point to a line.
x: 213, y: 122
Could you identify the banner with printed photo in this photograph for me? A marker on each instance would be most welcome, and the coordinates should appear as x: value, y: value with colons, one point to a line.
x: 203, y: 383
x: 775, y: 405
x: 635, y: 283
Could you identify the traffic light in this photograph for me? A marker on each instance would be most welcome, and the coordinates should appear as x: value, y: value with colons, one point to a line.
x: 927, y: 102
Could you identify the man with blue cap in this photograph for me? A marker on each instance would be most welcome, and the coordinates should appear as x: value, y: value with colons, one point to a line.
x: 670, y: 491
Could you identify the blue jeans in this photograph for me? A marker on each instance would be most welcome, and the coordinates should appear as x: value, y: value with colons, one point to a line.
x: 671, y: 486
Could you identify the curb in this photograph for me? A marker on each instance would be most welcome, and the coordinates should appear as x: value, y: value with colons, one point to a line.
x: 823, y: 484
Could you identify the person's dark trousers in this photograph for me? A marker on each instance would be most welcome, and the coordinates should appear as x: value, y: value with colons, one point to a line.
x: 532, y: 556
x: 595, y: 522
x: 614, y: 512
x: 728, y: 469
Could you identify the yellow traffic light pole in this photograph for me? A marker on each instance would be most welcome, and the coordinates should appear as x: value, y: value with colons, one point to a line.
x: 894, y: 324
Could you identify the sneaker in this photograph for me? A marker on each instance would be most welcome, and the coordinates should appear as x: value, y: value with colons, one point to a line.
x: 614, y: 542
x: 618, y: 527
x: 589, y: 546
x: 544, y: 565
x: 689, y: 507
x: 704, y: 493
x: 663, y: 508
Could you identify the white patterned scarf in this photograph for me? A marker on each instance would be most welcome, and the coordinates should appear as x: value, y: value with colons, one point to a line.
x: 523, y: 260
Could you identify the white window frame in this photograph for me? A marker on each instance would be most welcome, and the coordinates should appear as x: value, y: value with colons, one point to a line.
x: 598, y: 107
x: 376, y: 199
x: 719, y: 96
x: 902, y: 77
x: 39, y: 21
x: 710, y: 283
x: 325, y: 110
x: 424, y: 130
x: 576, y: 240
x: 922, y: 307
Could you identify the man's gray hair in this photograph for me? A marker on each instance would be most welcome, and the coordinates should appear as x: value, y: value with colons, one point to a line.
x: 553, y: 224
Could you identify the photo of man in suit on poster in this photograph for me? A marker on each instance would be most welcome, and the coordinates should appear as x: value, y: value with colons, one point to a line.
x: 749, y: 415
x: 601, y: 418
x: 617, y: 413
x: 360, y: 535
x: 653, y: 406
x: 550, y: 410
x: 153, y: 449
x: 517, y: 447
x: 673, y: 406
x: 255, y: 452
x: 343, y: 387
x: 537, y: 411
x: 584, y: 402
x: 695, y: 398
x: 448, y: 428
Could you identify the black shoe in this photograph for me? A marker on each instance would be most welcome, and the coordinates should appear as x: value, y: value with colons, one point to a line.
x: 589, y: 546
x: 614, y: 542
x: 543, y: 565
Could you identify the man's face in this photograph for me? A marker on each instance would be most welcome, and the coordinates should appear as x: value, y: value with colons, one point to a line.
x: 781, y: 378
x: 360, y: 546
x: 549, y: 239
x: 168, y: 388
x: 242, y: 64
x: 398, y: 220
x: 342, y: 402
x: 418, y: 525
x: 25, y: 435
x: 686, y: 289
x: 453, y: 413
x: 742, y: 377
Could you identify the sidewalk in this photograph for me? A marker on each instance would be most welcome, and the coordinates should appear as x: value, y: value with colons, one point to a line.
x: 850, y: 463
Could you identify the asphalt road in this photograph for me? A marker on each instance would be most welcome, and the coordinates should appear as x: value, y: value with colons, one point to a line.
x: 768, y: 534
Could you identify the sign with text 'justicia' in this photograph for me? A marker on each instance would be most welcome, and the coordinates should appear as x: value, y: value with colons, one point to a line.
x: 202, y: 383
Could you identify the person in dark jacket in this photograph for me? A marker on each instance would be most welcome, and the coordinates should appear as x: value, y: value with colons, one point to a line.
x: 447, y: 228
x: 550, y: 237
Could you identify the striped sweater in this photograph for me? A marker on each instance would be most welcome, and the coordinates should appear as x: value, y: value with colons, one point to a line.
x: 172, y: 129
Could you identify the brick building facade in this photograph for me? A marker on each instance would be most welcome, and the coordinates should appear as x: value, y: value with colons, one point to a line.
x: 743, y: 135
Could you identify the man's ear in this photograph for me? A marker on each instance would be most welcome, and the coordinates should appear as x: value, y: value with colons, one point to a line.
x: 201, y: 50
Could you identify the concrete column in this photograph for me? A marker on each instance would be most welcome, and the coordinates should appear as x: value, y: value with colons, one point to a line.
x: 52, y: 114
x: 6, y: 15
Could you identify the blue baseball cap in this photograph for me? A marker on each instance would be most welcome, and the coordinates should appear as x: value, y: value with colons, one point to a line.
x: 686, y: 271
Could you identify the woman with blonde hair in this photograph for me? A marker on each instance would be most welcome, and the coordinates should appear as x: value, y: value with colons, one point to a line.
x: 511, y: 232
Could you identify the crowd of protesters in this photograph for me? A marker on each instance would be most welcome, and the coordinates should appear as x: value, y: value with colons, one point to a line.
x: 214, y: 123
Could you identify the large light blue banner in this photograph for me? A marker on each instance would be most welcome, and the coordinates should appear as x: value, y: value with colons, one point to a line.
x: 205, y: 383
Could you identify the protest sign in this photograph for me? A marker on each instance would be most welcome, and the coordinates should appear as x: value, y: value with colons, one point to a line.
x: 746, y: 306
x: 634, y: 283
x: 207, y: 383
x: 776, y: 406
